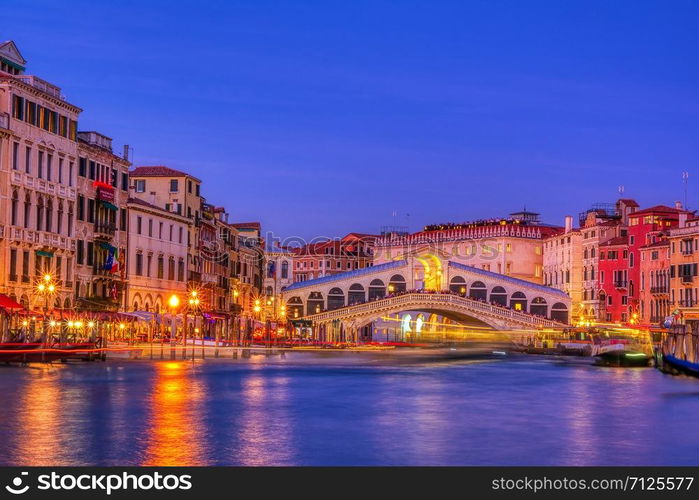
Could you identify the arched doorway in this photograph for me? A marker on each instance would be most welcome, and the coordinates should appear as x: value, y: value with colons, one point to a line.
x: 294, y: 306
x: 559, y: 312
x: 377, y: 289
x: 396, y: 284
x: 458, y: 285
x: 315, y: 303
x: 518, y: 301
x: 498, y: 295
x: 478, y: 291
x: 336, y: 299
x: 356, y: 294
x: 431, y: 272
x: 539, y: 307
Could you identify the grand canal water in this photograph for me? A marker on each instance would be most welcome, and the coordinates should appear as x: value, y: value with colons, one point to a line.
x: 350, y: 408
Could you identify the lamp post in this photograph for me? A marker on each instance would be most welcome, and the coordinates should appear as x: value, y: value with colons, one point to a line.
x: 173, y: 302
x: 47, y: 288
x: 193, y: 305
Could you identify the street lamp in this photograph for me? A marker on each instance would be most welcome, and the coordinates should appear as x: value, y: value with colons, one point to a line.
x: 192, y: 304
x: 174, y: 303
x: 47, y: 288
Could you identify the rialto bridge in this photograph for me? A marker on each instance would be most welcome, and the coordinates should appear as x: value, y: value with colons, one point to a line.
x: 422, y: 289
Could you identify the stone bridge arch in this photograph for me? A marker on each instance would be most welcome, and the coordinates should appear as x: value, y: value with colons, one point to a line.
x: 396, y: 277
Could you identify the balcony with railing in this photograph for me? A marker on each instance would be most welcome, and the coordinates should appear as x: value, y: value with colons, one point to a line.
x: 41, y: 85
x: 209, y: 278
x: 620, y: 283
x: 105, y: 229
x: 687, y: 278
x: 659, y: 289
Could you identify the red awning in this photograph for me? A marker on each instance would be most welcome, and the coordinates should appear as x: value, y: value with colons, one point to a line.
x: 9, y: 304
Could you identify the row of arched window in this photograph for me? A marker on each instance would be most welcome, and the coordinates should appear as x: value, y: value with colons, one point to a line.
x: 42, y: 213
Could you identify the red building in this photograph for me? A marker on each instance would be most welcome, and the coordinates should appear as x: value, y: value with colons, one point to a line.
x: 316, y: 260
x: 619, y: 261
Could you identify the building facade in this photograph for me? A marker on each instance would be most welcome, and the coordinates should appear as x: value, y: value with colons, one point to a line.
x: 684, y: 272
x: 329, y: 257
x: 600, y: 224
x: 563, y: 265
x: 249, y: 268
x: 278, y: 270
x: 620, y: 260
x: 654, y: 291
x: 157, y: 255
x: 38, y: 158
x: 101, y: 224
x: 179, y: 193
x: 511, y: 245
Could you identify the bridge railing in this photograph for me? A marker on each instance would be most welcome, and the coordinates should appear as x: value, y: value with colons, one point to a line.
x: 409, y: 299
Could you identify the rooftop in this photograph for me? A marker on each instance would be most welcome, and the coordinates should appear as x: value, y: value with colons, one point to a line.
x: 247, y: 225
x: 616, y: 241
x: 349, y: 274
x: 660, y: 209
x: 158, y: 171
x: 143, y: 203
x: 661, y: 243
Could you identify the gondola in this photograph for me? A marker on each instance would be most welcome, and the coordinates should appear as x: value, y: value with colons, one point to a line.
x: 675, y: 365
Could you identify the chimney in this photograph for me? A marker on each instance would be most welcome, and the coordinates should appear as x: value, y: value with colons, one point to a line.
x: 683, y: 219
x: 152, y: 197
x: 678, y: 205
x: 126, y: 152
x: 569, y: 223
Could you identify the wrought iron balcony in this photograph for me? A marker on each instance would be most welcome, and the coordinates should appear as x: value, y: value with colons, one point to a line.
x: 687, y: 278
x: 659, y: 289
x: 105, y: 229
x: 620, y: 283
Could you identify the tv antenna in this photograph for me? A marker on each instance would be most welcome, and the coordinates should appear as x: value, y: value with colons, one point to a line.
x: 685, y: 181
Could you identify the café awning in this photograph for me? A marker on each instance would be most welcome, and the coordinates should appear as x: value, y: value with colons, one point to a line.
x: 108, y: 205
x: 9, y: 304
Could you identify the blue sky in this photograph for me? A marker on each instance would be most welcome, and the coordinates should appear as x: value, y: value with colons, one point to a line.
x: 320, y: 118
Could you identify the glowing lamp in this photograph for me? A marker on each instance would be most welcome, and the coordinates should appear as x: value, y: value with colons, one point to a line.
x: 173, y: 301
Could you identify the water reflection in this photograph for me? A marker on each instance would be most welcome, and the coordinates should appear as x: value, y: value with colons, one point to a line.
x: 263, y: 426
x: 345, y: 409
x: 39, y: 420
x: 175, y: 435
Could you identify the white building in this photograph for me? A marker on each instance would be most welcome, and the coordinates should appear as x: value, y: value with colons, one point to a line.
x: 563, y: 264
x: 157, y: 256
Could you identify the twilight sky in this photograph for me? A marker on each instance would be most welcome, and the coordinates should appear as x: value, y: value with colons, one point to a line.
x: 320, y: 118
